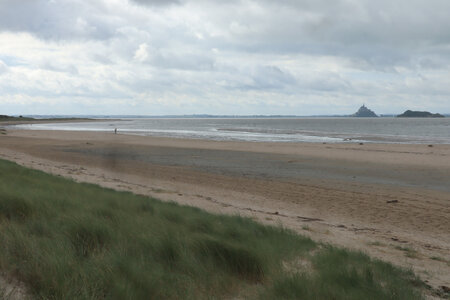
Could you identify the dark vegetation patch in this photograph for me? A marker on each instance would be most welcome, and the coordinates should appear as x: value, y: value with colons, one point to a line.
x: 11, y: 118
x: 14, y: 207
x: 245, y: 263
x: 66, y: 240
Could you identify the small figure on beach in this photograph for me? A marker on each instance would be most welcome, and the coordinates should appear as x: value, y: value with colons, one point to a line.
x: 115, y: 130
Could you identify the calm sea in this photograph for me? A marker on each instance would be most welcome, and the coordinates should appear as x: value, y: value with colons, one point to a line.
x: 383, y: 130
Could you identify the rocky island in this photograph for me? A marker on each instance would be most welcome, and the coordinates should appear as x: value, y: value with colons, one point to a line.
x: 364, y: 112
x: 419, y: 114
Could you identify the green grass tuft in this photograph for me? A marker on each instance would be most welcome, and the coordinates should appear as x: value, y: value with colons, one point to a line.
x: 409, y: 252
x: 238, y: 260
x: 342, y: 274
x: 66, y: 240
x: 88, y: 235
x: 14, y: 207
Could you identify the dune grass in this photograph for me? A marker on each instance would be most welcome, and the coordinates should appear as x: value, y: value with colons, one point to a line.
x: 66, y: 240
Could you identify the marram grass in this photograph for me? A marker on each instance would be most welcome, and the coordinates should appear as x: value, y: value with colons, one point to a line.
x: 66, y: 240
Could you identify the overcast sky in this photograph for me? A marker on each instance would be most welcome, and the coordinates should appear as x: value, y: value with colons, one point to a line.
x: 154, y: 57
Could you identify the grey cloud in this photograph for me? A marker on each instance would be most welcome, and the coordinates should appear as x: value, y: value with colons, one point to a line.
x: 271, y: 77
x: 184, y: 62
x: 103, y: 59
x: 168, y: 58
x: 260, y: 78
x: 57, y: 19
x: 431, y: 63
x: 382, y: 32
x: 3, y: 67
x: 157, y: 2
x: 192, y: 62
x: 327, y: 83
x: 54, y: 66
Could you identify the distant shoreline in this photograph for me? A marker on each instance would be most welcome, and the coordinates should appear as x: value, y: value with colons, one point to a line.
x: 25, y: 120
x: 201, y: 116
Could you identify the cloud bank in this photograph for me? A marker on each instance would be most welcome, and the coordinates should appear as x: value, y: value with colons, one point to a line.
x: 237, y: 57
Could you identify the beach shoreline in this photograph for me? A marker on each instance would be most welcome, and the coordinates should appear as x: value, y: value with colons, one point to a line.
x: 389, y: 200
x: 300, y: 130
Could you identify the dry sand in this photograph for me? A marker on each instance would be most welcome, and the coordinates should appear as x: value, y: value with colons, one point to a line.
x: 391, y: 201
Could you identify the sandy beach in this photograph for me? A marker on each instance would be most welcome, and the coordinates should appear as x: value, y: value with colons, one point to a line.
x: 391, y: 201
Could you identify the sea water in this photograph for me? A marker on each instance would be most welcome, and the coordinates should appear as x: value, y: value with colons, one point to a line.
x: 312, y: 129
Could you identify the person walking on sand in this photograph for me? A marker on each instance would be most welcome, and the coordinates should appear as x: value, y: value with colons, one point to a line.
x: 115, y: 130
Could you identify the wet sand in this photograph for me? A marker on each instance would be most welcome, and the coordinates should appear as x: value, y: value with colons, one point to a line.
x: 391, y: 201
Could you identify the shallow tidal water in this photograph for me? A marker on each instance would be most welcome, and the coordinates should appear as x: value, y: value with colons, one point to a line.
x: 383, y: 130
